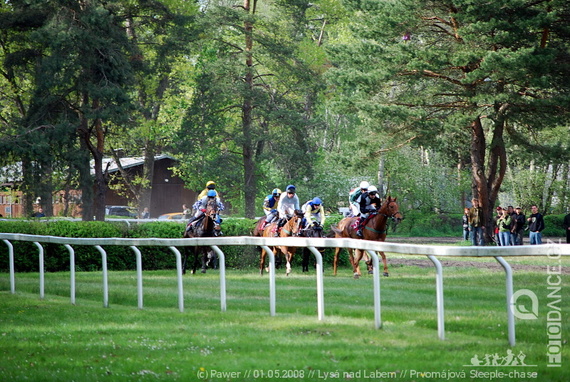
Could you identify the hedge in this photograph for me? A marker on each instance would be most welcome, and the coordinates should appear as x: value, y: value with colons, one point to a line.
x: 87, y: 258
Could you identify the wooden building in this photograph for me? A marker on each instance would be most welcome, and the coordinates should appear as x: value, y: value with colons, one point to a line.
x: 168, y: 192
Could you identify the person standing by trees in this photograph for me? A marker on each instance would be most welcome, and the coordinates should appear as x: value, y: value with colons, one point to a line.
x: 466, y: 224
x: 519, y: 220
x: 536, y: 226
x: 504, y: 224
x: 476, y: 223
x: 566, y: 226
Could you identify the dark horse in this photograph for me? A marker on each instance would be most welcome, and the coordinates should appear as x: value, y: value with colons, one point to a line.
x: 374, y: 229
x: 314, y: 230
x: 291, y: 228
x: 206, y: 226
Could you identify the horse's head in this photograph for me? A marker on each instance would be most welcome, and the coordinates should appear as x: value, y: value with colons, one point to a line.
x: 294, y: 223
x: 391, y: 209
x: 211, y: 207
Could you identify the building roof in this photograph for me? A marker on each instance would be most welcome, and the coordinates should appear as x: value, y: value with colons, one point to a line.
x: 111, y: 166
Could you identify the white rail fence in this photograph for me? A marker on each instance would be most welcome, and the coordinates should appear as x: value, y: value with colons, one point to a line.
x: 371, y: 247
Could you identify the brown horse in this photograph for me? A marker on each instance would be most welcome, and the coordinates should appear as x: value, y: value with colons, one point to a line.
x: 375, y: 229
x: 291, y: 228
x: 206, y: 227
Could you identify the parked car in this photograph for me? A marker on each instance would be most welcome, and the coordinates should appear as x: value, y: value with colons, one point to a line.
x: 126, y: 211
x: 171, y: 216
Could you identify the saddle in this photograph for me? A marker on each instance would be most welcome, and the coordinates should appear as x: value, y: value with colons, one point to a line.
x: 191, y: 226
x: 356, y: 223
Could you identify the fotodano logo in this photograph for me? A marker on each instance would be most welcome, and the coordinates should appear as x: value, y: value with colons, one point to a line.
x: 520, y: 310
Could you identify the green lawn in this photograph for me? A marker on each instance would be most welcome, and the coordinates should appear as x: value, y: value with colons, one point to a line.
x: 52, y: 340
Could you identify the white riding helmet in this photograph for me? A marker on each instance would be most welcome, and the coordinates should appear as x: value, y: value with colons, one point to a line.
x: 372, y: 189
x: 364, y: 184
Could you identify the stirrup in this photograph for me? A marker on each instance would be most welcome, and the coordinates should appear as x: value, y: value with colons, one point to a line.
x: 359, y: 233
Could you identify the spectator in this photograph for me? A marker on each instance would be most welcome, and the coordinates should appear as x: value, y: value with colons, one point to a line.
x: 466, y: 224
x: 567, y: 228
x: 519, y: 220
x: 499, y: 211
x: 39, y: 213
x: 512, y: 214
x: 535, y: 226
x: 476, y: 223
x: 145, y: 214
x: 186, y: 212
x: 504, y: 225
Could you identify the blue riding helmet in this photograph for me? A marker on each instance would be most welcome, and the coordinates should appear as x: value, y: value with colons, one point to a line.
x: 291, y: 188
x: 212, y: 193
x: 317, y: 200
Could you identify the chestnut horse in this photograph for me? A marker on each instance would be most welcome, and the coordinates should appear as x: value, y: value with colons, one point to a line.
x: 206, y: 227
x: 291, y: 228
x: 375, y: 229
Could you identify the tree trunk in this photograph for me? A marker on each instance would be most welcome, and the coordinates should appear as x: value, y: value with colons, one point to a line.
x: 487, y: 186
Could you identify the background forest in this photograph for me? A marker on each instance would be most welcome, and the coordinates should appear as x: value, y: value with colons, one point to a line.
x: 434, y: 101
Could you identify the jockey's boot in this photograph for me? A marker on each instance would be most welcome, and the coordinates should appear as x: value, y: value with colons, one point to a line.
x: 359, y: 231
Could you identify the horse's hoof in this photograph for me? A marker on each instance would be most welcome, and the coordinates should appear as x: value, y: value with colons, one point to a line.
x: 203, y: 271
x: 386, y: 274
x: 356, y: 276
x: 370, y: 272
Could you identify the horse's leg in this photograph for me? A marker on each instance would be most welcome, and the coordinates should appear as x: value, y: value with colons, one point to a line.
x: 335, y: 260
x: 185, y: 260
x: 356, y: 263
x: 204, y: 258
x: 305, y: 263
x: 262, y: 261
x: 288, y: 257
x: 194, y: 260
x: 385, y: 264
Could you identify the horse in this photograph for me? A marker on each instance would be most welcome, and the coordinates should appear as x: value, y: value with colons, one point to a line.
x: 291, y: 228
x: 375, y: 229
x: 206, y: 226
x: 311, y: 231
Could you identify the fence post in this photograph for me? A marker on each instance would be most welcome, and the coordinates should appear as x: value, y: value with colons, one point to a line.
x: 179, y: 278
x: 509, y: 288
x: 439, y: 296
x: 42, y: 276
x: 222, y: 267
x: 271, y: 279
x: 71, y: 272
x: 11, y: 260
x: 376, y: 282
x: 105, y: 276
x: 320, y: 284
x: 139, y: 276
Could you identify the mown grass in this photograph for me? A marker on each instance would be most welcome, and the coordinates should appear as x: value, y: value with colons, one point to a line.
x: 52, y: 340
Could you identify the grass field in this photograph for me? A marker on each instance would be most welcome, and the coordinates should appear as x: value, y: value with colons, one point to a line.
x: 52, y: 340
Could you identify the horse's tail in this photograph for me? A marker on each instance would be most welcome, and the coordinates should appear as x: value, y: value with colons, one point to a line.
x: 335, y: 229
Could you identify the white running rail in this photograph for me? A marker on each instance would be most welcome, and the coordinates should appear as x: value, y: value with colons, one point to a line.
x: 372, y: 247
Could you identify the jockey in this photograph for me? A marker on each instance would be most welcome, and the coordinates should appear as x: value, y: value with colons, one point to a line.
x: 270, y: 205
x: 201, y: 204
x: 287, y: 205
x: 313, y: 209
x: 367, y: 202
x: 211, y: 185
x: 354, y: 195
